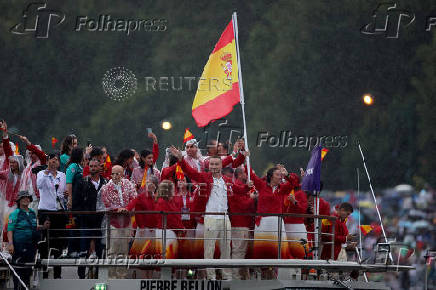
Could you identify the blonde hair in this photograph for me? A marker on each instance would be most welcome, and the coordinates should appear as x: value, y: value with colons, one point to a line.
x: 165, y: 190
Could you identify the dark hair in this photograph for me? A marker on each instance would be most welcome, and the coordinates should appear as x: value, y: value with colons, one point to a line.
x: 52, y: 155
x: 227, y: 170
x: 238, y: 171
x: 144, y: 153
x: 76, y: 156
x: 270, y: 173
x: 67, y: 143
x: 96, y: 151
x: 173, y: 160
x: 346, y: 206
x: 123, y: 156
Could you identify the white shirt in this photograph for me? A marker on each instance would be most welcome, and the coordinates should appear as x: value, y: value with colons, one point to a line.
x: 96, y: 183
x: 120, y: 193
x: 47, y: 189
x: 218, y: 198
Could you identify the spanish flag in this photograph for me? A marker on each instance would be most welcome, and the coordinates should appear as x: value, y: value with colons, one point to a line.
x: 17, y: 149
x: 366, y: 229
x: 53, y: 142
x: 323, y: 153
x: 218, y: 88
x: 179, y: 172
x: 188, y: 136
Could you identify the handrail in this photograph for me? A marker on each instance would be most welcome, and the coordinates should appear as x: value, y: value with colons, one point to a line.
x: 108, y: 213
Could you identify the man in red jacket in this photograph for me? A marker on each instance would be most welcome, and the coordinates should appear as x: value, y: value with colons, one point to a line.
x: 241, y: 224
x: 214, y: 193
x: 341, y: 232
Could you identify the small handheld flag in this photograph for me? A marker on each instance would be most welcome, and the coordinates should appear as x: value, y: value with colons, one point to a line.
x: 53, y: 142
x: 366, y: 229
x: 179, y: 172
x: 144, y: 177
x: 324, y: 152
x: 187, y: 136
x: 17, y: 150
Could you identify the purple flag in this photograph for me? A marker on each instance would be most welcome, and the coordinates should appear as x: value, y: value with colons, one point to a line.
x: 312, y: 178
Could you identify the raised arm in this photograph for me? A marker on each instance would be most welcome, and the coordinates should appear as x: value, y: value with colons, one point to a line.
x: 32, y: 148
x: 6, y: 145
x: 258, y: 182
x: 155, y: 147
x: 188, y: 170
x: 191, y: 172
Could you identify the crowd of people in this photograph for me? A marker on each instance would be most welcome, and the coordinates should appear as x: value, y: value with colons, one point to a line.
x: 215, y: 206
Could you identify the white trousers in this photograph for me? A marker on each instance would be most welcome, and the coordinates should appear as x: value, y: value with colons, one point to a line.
x: 240, y: 236
x: 217, y: 229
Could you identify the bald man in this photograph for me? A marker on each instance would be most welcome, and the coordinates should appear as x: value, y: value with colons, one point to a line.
x: 117, y: 193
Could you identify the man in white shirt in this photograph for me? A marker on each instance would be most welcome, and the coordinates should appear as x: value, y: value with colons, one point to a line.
x: 51, y: 184
x: 213, y: 196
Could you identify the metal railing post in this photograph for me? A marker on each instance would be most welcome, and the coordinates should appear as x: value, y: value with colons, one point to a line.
x: 332, y: 254
x: 164, y: 235
x: 279, y: 254
x: 225, y: 230
x: 108, y: 232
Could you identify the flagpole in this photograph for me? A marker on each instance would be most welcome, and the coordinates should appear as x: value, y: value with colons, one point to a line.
x: 358, y: 205
x: 241, y: 87
x: 373, y: 194
x: 316, y: 221
x: 360, y: 253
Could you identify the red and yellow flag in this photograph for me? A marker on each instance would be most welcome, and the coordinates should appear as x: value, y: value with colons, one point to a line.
x: 323, y: 153
x: 188, y: 135
x: 53, y: 142
x: 17, y: 149
x: 144, y: 177
x: 218, y: 88
x: 107, y: 163
x: 366, y: 229
x: 179, y: 172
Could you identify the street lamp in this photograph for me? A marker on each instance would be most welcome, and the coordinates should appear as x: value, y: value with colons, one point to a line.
x: 166, y: 125
x: 368, y: 99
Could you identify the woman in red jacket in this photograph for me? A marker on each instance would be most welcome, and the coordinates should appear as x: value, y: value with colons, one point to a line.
x: 172, y: 226
x: 271, y: 196
x: 296, y: 233
x: 184, y: 202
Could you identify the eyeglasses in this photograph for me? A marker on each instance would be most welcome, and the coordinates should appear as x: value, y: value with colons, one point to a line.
x: 115, y: 173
